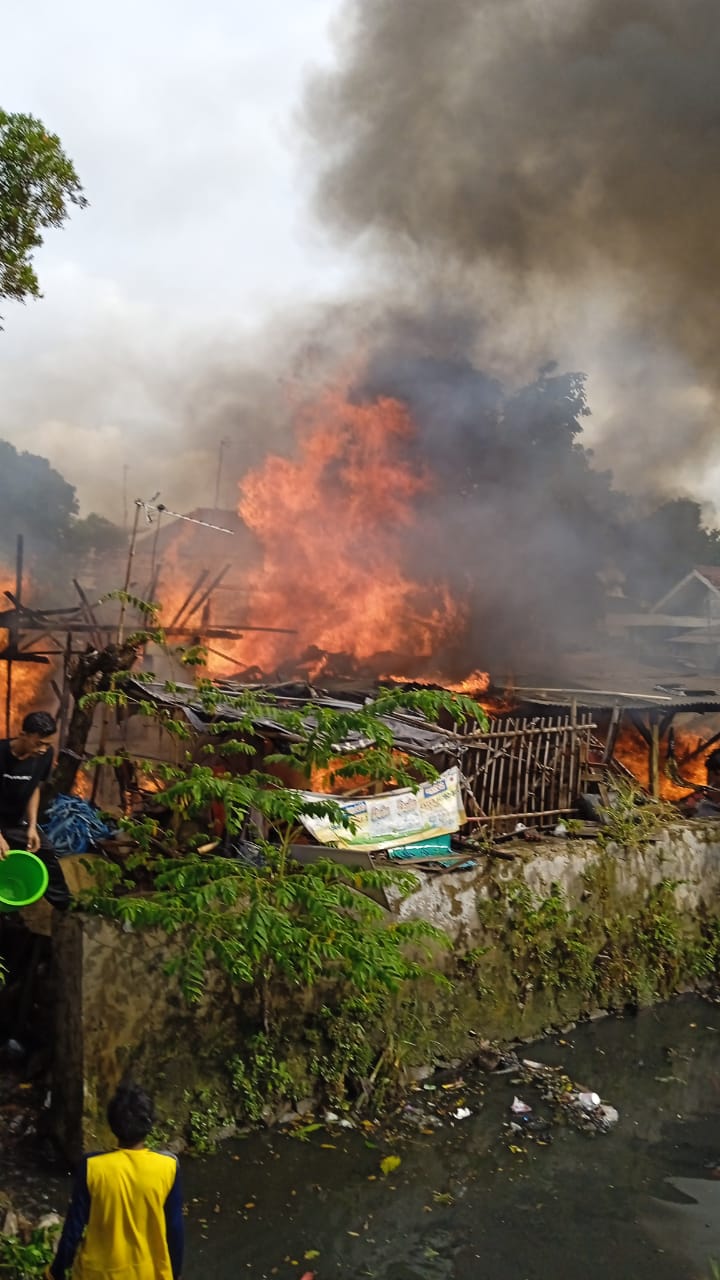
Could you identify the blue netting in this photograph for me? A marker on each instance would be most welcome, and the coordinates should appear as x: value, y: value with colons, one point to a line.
x: 73, y: 825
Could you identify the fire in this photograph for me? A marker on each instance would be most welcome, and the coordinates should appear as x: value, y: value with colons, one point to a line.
x: 477, y: 683
x: 327, y: 782
x: 82, y: 785
x: 28, y: 679
x: 632, y: 751
x: 335, y: 523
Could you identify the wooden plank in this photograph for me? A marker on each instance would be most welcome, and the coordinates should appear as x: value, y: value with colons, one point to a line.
x: 654, y: 758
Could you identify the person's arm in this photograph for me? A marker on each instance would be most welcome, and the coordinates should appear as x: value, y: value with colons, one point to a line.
x: 33, y: 804
x: 175, y: 1225
x: 76, y: 1220
x: 31, y: 814
x: 4, y: 846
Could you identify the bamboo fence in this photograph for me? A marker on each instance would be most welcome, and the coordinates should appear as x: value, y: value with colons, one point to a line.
x: 525, y: 769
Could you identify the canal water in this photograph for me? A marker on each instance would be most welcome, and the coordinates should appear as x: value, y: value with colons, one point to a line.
x: 468, y: 1199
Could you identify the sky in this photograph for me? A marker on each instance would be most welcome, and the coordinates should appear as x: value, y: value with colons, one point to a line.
x: 181, y: 119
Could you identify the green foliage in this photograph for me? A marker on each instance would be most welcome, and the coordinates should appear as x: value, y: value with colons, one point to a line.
x: 632, y: 819
x: 287, y: 933
x: 38, y: 184
x: 38, y: 502
x: 34, y: 498
x: 613, y: 955
x: 548, y: 940
x: 94, y: 533
x: 278, y: 927
x: 279, y: 923
x: 145, y: 607
x: 24, y: 1261
x: 345, y: 1044
x: 206, y: 1116
x: 260, y: 1077
x: 665, y: 544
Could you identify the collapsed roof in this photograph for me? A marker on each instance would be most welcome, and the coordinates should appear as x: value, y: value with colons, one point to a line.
x: 411, y: 731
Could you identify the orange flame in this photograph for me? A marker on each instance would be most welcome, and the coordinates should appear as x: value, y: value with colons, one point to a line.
x: 28, y: 679
x: 633, y: 752
x: 477, y: 683
x: 334, y: 522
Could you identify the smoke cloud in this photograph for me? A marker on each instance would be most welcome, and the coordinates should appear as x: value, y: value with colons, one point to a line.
x: 557, y: 164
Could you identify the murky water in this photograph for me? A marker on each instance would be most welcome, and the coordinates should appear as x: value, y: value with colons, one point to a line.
x: 639, y: 1202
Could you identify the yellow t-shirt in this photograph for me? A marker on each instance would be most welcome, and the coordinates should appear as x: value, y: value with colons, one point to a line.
x: 125, y: 1219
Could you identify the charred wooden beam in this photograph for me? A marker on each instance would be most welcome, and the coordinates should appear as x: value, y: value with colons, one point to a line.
x: 189, y: 597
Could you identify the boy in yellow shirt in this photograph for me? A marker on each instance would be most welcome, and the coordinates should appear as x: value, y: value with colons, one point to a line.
x: 125, y: 1215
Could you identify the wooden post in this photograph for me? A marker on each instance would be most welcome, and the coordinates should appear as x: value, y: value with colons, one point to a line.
x: 14, y: 630
x: 128, y: 573
x: 654, y: 758
x: 613, y: 733
x: 65, y: 692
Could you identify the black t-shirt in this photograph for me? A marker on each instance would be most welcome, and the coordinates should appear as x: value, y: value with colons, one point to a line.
x: 18, y: 780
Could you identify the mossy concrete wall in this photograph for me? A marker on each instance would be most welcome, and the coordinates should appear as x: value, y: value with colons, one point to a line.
x: 687, y: 854
x: 119, y: 1014
x: 563, y: 928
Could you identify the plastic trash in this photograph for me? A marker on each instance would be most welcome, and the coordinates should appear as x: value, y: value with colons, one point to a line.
x: 608, y: 1115
x: 462, y: 1113
x: 520, y: 826
x: 520, y: 1108
x: 589, y: 1101
x: 560, y: 830
x: 13, y: 1050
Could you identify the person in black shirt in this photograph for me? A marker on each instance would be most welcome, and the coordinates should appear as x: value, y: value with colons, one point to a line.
x: 25, y: 764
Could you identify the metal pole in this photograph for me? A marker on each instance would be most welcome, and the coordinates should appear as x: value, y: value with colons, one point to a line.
x: 128, y: 572
x: 221, y: 449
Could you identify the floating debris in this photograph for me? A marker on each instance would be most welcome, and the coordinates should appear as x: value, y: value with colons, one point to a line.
x: 520, y: 1108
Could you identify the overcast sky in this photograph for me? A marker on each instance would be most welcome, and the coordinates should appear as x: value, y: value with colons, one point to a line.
x: 180, y: 116
x: 182, y: 119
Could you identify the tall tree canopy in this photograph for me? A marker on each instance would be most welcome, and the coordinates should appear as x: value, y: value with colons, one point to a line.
x: 38, y: 184
x: 36, y: 501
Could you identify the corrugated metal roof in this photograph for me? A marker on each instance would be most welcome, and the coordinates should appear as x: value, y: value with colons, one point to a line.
x: 411, y: 732
x: 608, y: 678
x: 660, y: 699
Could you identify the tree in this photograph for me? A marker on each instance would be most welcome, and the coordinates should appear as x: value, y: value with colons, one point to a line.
x: 35, y: 500
x: 38, y: 502
x: 278, y: 929
x: 665, y: 544
x: 38, y: 184
x: 94, y: 534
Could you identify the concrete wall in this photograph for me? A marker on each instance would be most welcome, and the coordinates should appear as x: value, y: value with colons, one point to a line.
x: 688, y: 854
x: 118, y: 1012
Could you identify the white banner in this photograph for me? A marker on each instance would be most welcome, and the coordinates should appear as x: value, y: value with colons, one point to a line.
x: 395, y: 818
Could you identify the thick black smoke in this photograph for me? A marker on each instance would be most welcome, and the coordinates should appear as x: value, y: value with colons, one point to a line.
x: 562, y: 155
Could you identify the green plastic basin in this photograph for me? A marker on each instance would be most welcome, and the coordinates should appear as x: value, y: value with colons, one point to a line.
x: 23, y: 879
